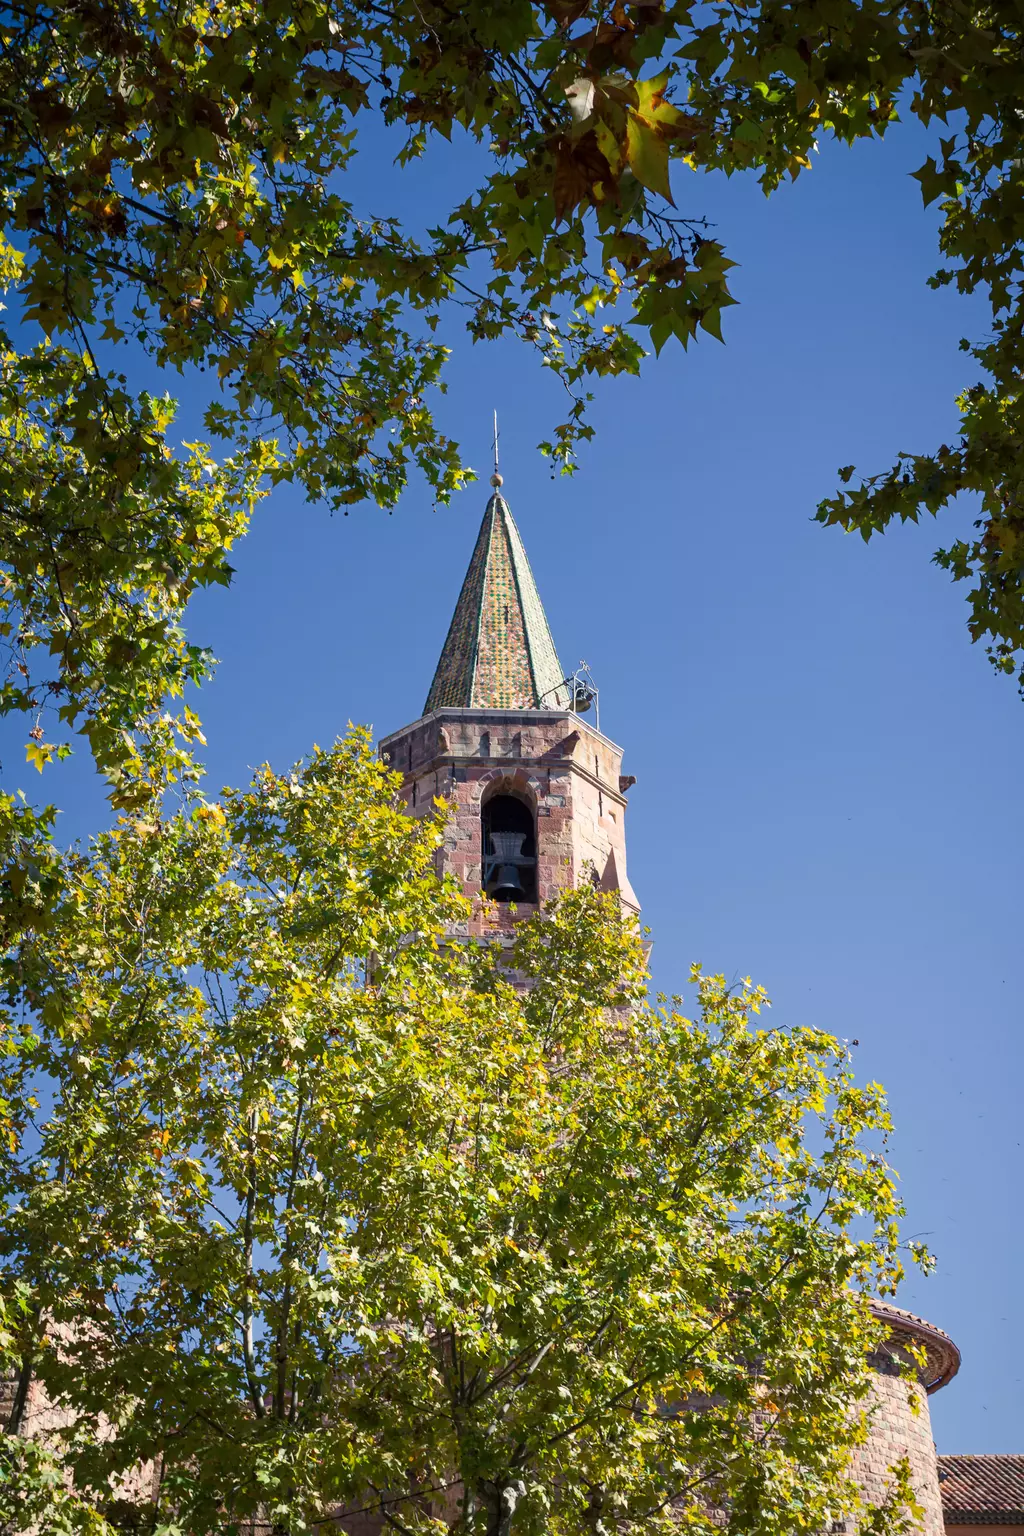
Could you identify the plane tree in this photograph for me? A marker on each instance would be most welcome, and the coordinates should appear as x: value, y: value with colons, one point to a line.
x: 308, y: 1206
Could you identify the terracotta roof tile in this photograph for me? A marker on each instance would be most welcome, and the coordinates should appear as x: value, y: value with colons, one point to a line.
x: 943, y: 1357
x: 982, y: 1490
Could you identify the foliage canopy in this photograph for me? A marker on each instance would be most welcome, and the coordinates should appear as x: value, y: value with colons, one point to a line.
x: 174, y: 175
x: 303, y: 1231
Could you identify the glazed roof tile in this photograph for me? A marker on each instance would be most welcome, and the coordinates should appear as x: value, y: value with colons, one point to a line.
x: 499, y: 653
x: 982, y: 1490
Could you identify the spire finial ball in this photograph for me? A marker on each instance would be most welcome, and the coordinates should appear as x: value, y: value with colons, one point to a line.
x: 497, y: 480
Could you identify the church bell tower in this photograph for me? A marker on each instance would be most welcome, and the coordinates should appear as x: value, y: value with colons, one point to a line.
x: 537, y: 795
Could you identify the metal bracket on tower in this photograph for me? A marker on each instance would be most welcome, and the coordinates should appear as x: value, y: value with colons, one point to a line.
x: 582, y: 691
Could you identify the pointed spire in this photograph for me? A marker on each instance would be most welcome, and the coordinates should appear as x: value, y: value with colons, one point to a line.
x: 499, y: 653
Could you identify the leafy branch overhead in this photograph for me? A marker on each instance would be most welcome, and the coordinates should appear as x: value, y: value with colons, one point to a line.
x: 175, y: 178
x: 106, y: 537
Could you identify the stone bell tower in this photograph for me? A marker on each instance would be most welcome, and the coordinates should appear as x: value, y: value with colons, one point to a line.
x: 537, y: 794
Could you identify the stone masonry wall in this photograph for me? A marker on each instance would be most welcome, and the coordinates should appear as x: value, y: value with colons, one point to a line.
x: 43, y: 1420
x: 562, y: 768
x: 897, y: 1431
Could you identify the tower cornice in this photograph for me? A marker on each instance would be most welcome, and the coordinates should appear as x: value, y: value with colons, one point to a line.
x: 490, y: 716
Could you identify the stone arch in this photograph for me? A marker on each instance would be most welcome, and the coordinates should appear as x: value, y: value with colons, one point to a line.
x: 527, y: 785
x: 508, y: 837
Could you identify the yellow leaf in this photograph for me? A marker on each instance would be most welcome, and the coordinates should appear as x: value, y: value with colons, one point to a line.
x: 647, y: 153
x: 609, y: 144
x: 38, y: 754
x: 651, y: 103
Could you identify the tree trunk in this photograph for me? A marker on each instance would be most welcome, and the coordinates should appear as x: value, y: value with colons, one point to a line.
x: 500, y: 1500
x: 22, y: 1387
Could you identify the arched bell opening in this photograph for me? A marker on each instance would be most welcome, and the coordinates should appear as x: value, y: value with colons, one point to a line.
x: 509, y: 849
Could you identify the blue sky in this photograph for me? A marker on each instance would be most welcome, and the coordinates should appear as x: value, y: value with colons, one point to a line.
x: 828, y: 773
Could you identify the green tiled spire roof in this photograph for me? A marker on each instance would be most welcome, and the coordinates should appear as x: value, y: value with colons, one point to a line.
x: 499, y: 653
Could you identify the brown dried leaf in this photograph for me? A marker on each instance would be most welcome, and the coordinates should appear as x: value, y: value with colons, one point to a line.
x: 580, y: 168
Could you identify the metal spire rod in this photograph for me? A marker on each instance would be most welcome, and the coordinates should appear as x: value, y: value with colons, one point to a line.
x: 496, y: 477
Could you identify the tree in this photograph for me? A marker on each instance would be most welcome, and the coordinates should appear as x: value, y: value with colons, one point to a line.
x: 175, y: 174
x: 308, y: 1205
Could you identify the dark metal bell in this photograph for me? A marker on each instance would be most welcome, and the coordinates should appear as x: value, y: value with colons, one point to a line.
x: 508, y: 886
x: 505, y: 883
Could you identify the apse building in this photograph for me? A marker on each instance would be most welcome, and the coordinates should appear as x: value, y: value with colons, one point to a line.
x: 538, y: 804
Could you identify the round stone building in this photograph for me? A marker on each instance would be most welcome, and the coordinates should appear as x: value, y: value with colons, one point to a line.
x: 900, y: 1419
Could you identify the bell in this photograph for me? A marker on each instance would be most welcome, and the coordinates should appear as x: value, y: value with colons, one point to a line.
x: 507, y: 847
x: 507, y: 887
x: 581, y: 696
